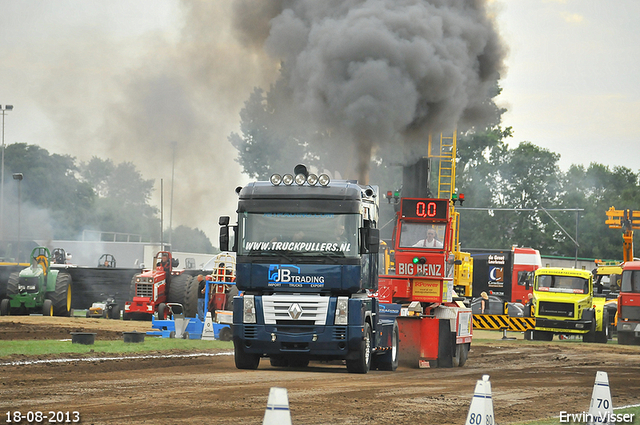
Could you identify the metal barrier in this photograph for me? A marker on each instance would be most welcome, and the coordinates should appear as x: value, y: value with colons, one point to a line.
x: 502, y: 322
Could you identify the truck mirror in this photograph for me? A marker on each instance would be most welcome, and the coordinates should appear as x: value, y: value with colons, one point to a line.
x: 175, y: 262
x: 223, y: 220
x: 224, y: 238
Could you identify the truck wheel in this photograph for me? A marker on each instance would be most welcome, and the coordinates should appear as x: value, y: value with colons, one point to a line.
x: 460, y: 357
x: 465, y: 353
x: 389, y: 360
x: 12, y: 288
x: 4, y: 307
x: 47, y: 308
x: 61, y: 297
x: 245, y: 360
x: 362, y: 363
x: 602, y: 336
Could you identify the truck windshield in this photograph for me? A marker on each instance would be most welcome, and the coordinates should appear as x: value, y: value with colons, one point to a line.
x: 299, y: 234
x: 630, y: 281
x: 566, y: 284
x: 421, y: 235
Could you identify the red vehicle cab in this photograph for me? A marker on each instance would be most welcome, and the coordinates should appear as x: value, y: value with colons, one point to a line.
x: 629, y: 304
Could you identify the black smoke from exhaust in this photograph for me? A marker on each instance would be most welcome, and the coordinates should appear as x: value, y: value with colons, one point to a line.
x: 380, y: 72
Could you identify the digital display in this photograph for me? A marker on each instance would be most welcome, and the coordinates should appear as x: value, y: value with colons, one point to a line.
x: 434, y: 209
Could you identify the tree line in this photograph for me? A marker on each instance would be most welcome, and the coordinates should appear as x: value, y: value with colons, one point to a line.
x: 62, y: 197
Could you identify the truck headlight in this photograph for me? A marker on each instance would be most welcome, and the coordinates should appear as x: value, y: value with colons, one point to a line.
x: 249, y: 309
x: 342, y: 311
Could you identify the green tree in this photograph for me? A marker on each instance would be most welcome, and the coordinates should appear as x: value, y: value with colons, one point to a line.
x: 122, y: 204
x: 50, y: 183
x: 187, y: 239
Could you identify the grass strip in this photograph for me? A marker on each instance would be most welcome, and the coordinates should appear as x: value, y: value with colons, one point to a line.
x: 54, y: 347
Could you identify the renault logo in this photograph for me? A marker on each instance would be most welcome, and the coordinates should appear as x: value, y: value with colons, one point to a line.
x: 295, y: 311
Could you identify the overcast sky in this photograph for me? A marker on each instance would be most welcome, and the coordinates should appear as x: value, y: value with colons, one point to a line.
x: 86, y: 75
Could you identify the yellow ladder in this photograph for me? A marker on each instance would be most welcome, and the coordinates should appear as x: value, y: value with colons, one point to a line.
x: 445, y: 152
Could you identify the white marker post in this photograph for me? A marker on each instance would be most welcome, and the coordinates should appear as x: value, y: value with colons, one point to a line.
x: 481, y: 409
x: 277, y: 412
x: 207, y: 330
x: 600, y: 410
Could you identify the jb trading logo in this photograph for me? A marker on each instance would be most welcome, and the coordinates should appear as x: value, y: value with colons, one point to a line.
x: 281, y: 273
x: 290, y: 274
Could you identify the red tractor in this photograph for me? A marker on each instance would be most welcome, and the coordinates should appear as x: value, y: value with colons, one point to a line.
x: 152, y: 289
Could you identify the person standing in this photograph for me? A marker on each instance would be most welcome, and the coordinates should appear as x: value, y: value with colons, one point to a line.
x: 201, y: 292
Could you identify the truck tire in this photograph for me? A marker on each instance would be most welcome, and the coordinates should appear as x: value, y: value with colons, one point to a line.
x: 4, y: 307
x: 245, y: 360
x: 389, y: 360
x: 602, y: 336
x: 461, y: 354
x: 362, y: 362
x: 61, y: 297
x: 446, y: 345
x: 47, y: 308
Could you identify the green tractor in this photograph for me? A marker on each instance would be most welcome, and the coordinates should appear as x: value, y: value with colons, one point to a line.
x: 38, y: 289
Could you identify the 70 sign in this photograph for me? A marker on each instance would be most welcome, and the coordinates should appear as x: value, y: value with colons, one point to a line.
x: 434, y: 209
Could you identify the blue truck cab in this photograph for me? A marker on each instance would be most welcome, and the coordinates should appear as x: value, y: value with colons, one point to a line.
x: 307, y: 263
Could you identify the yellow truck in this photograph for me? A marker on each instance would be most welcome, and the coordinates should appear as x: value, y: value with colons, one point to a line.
x: 563, y: 303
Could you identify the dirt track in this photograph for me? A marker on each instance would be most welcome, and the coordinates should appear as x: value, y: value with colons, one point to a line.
x: 530, y: 380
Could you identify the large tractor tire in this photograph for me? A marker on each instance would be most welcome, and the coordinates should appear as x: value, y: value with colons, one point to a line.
x: 184, y: 290
x: 12, y: 289
x: 61, y: 297
x: 47, y: 308
x: 4, y: 307
x: 132, y: 288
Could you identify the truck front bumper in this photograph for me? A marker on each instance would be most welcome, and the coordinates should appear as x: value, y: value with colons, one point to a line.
x: 563, y: 326
x: 315, y: 341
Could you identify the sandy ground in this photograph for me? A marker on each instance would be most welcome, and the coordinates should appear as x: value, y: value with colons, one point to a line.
x: 530, y: 380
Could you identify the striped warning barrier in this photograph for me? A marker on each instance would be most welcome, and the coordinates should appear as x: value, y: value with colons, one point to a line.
x: 497, y: 322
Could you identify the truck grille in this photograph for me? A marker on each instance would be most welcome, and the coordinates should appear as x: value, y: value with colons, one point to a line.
x: 629, y: 312
x: 144, y: 290
x: 310, y: 310
x: 547, y: 308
